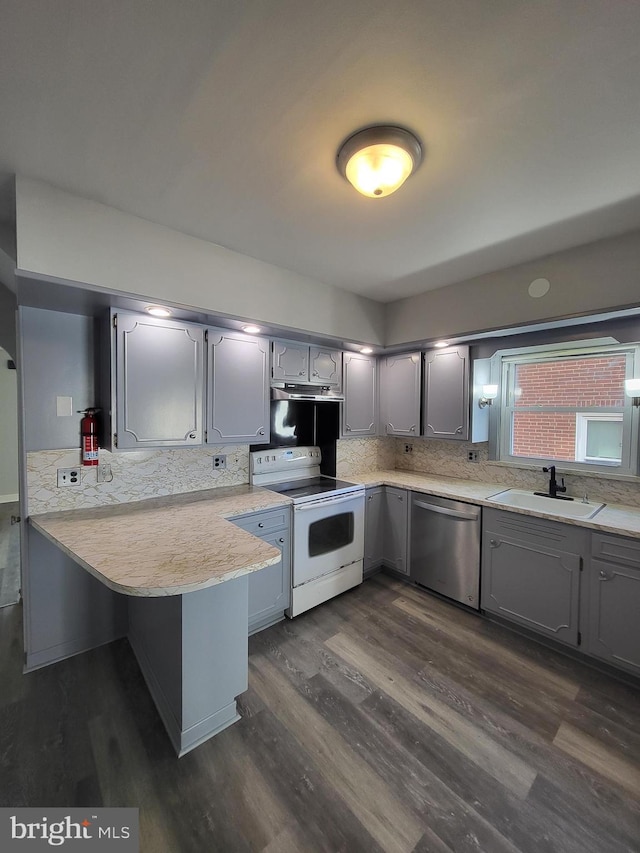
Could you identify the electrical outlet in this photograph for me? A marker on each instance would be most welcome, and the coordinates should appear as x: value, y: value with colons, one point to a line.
x: 104, y: 473
x: 219, y: 462
x: 408, y: 448
x: 69, y: 477
x: 472, y: 456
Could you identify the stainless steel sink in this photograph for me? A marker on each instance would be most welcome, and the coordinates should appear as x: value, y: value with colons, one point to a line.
x: 538, y: 503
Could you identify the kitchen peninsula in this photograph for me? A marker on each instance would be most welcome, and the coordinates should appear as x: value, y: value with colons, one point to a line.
x: 184, y: 568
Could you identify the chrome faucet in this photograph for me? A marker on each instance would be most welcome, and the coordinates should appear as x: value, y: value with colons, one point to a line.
x: 554, y: 488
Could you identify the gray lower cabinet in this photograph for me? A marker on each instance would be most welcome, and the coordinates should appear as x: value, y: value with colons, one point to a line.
x: 373, y: 529
x: 395, y: 523
x: 446, y: 394
x: 270, y: 588
x: 531, y: 570
x: 614, y: 601
x: 237, y: 388
x: 157, y: 382
x: 360, y: 386
x: 400, y: 394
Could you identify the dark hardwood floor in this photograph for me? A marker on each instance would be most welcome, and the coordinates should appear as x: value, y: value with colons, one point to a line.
x: 385, y: 720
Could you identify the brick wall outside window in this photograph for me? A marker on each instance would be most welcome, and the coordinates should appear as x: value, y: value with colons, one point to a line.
x: 584, y: 383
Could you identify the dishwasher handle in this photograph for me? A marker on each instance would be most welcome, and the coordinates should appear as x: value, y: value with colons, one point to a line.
x: 441, y: 510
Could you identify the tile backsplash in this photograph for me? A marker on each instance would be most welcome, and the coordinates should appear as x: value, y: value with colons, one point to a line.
x: 364, y: 455
x: 449, y: 459
x: 137, y: 475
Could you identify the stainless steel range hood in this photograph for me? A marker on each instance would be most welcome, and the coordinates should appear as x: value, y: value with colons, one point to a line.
x: 312, y: 393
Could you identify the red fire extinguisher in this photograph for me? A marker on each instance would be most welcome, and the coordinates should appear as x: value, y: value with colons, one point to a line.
x: 89, y: 436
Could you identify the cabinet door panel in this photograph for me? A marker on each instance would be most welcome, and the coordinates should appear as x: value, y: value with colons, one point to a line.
x: 325, y: 367
x: 536, y: 586
x: 446, y: 394
x: 396, y: 521
x: 290, y: 362
x: 614, y: 623
x: 373, y: 529
x: 359, y: 410
x: 400, y: 392
x: 159, y: 382
x: 269, y: 589
x: 238, y: 398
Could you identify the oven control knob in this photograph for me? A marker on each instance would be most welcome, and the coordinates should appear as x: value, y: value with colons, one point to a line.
x: 259, y: 460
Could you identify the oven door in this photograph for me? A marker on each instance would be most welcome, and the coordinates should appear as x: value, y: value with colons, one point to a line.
x: 328, y: 533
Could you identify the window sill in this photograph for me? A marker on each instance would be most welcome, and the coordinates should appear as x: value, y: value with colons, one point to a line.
x: 568, y: 472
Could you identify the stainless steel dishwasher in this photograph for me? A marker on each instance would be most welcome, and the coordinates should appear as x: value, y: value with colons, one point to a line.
x: 445, y: 547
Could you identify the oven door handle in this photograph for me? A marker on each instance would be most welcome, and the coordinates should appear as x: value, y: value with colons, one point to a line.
x: 322, y: 502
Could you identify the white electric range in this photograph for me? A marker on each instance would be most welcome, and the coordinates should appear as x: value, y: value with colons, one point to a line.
x: 328, y: 523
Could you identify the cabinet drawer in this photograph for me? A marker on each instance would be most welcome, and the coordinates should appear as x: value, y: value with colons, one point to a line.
x: 616, y: 549
x: 260, y: 523
x: 533, y: 530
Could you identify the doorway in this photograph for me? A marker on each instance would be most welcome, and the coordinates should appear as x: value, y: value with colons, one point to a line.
x: 9, y: 504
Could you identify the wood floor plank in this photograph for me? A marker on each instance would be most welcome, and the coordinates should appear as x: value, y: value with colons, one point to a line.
x: 598, y: 757
x: 385, y: 817
x: 451, y: 726
x: 537, y: 677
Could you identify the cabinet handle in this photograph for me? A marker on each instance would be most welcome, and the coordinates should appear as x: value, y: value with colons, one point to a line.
x: 413, y: 429
x: 260, y: 524
x: 400, y: 497
x: 348, y: 428
x: 604, y: 576
x: 493, y: 543
x: 370, y: 497
x: 301, y: 373
x: 459, y: 429
x: 192, y: 435
x: 281, y: 540
x: 315, y: 373
x: 260, y: 432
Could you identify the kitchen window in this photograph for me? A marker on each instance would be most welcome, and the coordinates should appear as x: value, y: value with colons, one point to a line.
x: 568, y: 406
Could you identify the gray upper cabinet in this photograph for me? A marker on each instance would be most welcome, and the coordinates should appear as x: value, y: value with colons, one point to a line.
x: 531, y: 573
x: 396, y: 529
x: 237, y: 388
x: 325, y: 367
x: 360, y: 407
x: 446, y: 393
x: 290, y: 362
x: 301, y: 364
x: 614, y: 601
x: 158, y: 390
x: 400, y: 394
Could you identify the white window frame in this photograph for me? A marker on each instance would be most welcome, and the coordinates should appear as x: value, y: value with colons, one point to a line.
x: 582, y: 424
x: 501, y: 415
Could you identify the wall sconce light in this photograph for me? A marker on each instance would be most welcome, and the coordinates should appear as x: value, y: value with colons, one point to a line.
x: 632, y: 389
x: 378, y: 160
x: 489, y: 394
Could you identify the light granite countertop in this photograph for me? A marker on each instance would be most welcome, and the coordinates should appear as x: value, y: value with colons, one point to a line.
x: 612, y: 518
x: 165, y: 546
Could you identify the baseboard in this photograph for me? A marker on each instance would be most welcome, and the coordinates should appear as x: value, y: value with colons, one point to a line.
x: 54, y: 654
x: 9, y: 499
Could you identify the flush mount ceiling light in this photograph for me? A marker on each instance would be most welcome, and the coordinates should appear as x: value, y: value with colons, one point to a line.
x: 251, y: 329
x: 158, y: 311
x: 366, y: 350
x: 441, y: 344
x: 378, y: 160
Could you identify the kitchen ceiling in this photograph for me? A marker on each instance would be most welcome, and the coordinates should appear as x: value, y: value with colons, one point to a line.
x: 222, y: 120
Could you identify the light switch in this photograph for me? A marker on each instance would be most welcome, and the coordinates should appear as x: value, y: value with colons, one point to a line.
x: 64, y: 407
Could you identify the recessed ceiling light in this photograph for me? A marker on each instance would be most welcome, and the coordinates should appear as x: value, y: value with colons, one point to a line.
x: 441, y: 344
x: 378, y: 160
x: 251, y: 329
x: 366, y: 350
x: 158, y: 311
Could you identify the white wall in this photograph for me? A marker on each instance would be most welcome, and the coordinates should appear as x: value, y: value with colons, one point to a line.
x: 72, y: 238
x: 585, y: 280
x: 8, y: 430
